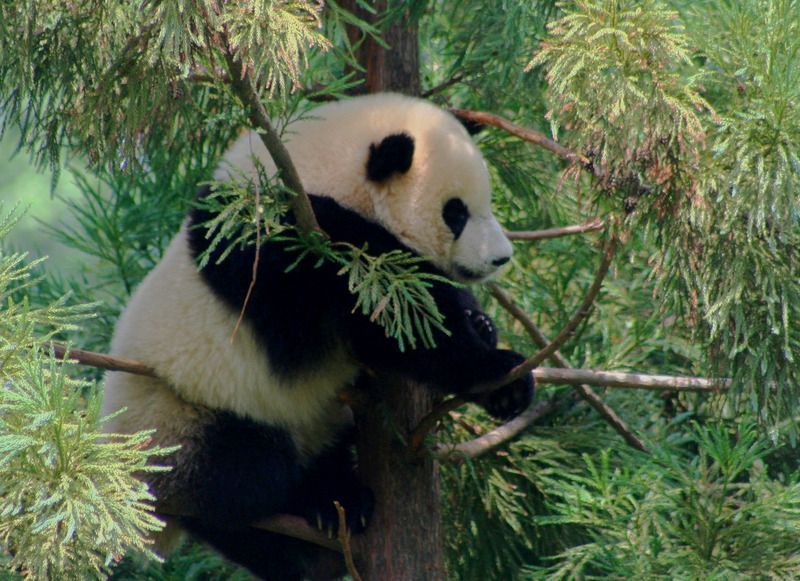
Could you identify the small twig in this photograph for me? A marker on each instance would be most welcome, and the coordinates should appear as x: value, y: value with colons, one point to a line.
x: 256, y: 260
x: 523, y: 133
x: 457, y: 78
x: 103, y: 361
x: 591, y: 226
x: 428, y: 423
x: 344, y: 540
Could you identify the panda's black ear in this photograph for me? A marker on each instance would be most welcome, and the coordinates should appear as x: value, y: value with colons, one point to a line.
x: 472, y: 127
x: 392, y: 155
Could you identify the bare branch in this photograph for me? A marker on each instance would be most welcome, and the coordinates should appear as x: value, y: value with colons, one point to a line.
x: 538, y: 138
x: 583, y: 310
x: 242, y: 85
x: 498, y: 436
x: 283, y: 524
x: 344, y: 540
x: 297, y: 527
x: 586, y: 392
x: 522, y: 132
x: 103, y: 361
x: 591, y: 226
x: 617, y: 379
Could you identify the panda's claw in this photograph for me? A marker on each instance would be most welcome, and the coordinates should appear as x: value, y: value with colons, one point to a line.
x: 483, y: 326
x: 510, y: 400
x: 358, y: 503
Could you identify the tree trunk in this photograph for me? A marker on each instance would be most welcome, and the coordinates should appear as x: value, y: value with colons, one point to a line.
x: 404, y: 540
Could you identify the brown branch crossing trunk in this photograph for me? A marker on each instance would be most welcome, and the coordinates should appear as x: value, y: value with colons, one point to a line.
x: 404, y: 539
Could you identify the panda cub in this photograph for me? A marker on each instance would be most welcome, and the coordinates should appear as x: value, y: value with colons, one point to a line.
x: 257, y: 417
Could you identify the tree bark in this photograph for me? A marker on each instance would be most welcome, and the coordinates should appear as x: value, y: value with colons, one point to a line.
x: 404, y: 539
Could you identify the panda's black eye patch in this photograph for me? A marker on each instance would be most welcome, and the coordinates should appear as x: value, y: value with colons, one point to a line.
x: 455, y: 214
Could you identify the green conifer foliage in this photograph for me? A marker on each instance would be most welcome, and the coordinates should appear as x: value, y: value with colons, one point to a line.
x: 69, y: 502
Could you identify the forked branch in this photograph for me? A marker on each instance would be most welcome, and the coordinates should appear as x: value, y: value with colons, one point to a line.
x: 583, y: 389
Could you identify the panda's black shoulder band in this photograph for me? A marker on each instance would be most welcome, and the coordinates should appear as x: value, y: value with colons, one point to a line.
x: 392, y: 155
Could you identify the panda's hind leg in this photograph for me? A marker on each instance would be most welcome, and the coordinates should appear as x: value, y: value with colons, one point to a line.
x: 270, y: 556
x: 330, y: 477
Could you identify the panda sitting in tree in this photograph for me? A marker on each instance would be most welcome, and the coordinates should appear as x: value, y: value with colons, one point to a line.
x: 257, y: 417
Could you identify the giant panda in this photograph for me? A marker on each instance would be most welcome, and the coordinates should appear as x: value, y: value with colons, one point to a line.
x: 257, y: 417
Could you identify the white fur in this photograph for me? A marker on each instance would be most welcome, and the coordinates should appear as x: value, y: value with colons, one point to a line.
x: 330, y: 149
x: 175, y: 324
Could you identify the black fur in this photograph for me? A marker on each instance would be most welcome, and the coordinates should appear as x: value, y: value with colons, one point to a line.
x: 303, y: 314
x: 455, y: 214
x: 239, y: 471
x: 236, y: 471
x: 392, y: 155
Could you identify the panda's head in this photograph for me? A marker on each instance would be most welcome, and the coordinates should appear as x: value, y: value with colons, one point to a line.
x: 430, y: 186
x: 406, y: 164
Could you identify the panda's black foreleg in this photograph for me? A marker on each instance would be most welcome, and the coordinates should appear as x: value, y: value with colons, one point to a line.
x: 330, y: 477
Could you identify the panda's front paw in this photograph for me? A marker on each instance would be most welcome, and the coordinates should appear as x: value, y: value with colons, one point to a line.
x: 510, y: 400
x: 483, y: 325
x: 358, y: 505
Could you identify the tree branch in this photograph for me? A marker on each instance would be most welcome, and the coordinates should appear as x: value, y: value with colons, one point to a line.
x: 344, y: 541
x: 457, y: 78
x: 543, y: 375
x: 590, y: 226
x: 283, y: 524
x: 297, y: 527
x: 523, y: 133
x: 103, y: 361
x: 498, y: 436
x: 586, y: 392
x: 618, y: 379
x: 538, y: 138
x: 583, y: 310
x: 242, y: 84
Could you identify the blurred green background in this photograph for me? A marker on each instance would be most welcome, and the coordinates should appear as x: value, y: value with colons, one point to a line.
x: 24, y: 185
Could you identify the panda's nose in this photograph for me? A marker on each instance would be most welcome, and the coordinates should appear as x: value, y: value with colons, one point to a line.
x: 500, y: 261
